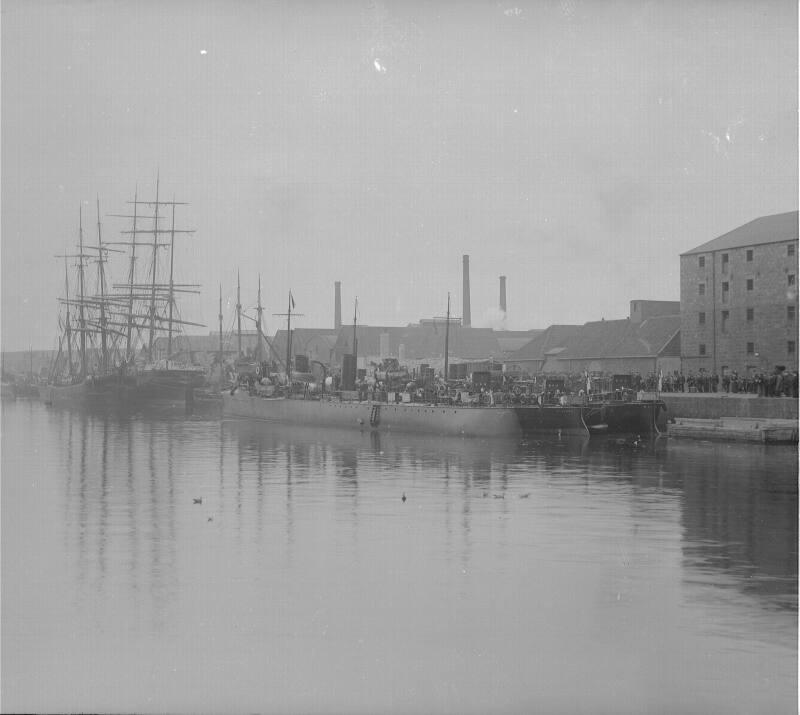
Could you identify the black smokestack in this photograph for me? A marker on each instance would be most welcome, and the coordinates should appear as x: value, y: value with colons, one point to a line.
x: 503, y: 293
x: 466, y: 318
x: 337, y: 306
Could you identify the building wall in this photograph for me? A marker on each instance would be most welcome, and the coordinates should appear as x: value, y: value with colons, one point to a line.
x: 641, y: 310
x: 527, y: 367
x: 726, y: 340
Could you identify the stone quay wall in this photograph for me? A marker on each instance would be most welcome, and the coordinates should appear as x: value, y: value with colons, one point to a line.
x: 712, y: 406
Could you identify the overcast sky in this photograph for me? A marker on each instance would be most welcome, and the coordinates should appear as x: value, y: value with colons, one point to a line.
x: 577, y: 147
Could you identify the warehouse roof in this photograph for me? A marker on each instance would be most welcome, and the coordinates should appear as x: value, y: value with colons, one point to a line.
x: 603, y: 339
x: 552, y: 337
x: 767, y: 229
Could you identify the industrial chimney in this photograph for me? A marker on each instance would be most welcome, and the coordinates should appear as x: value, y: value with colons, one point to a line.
x: 466, y: 319
x: 503, y: 293
x: 337, y: 309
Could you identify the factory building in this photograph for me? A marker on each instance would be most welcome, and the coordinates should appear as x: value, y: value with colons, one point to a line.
x: 739, y: 299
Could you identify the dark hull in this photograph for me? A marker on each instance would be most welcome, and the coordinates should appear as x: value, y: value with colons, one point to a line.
x: 606, y: 417
x: 110, y: 388
x: 626, y: 417
x: 175, y: 386
x: 156, y: 386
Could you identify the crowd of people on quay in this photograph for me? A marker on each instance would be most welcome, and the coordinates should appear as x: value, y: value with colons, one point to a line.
x: 779, y: 383
x: 501, y: 387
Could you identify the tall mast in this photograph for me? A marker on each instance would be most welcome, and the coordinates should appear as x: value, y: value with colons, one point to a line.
x: 259, y: 311
x: 447, y: 339
x: 355, y: 336
x: 220, y: 333
x: 102, y: 286
x: 239, y: 311
x: 67, y: 328
x: 132, y: 275
x: 81, y: 315
x: 171, y: 284
x: 288, y: 315
x: 153, y: 286
x: 289, y: 341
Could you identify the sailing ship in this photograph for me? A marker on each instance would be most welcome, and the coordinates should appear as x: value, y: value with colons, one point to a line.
x: 148, y: 307
x: 108, y: 343
x: 84, y: 367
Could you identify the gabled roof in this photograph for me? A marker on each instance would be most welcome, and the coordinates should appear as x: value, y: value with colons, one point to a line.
x: 656, y: 333
x: 622, y: 338
x: 510, y: 345
x: 553, y: 337
x: 602, y: 339
x: 767, y: 229
x: 597, y: 338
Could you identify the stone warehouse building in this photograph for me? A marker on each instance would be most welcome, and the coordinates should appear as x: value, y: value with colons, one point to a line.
x: 739, y: 299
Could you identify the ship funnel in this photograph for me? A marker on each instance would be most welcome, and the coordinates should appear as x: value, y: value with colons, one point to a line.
x: 337, y: 309
x: 465, y: 311
x: 503, y: 293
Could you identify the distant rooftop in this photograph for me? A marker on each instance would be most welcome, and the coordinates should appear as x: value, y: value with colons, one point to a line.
x: 767, y: 229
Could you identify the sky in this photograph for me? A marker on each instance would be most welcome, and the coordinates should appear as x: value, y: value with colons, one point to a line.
x: 576, y: 147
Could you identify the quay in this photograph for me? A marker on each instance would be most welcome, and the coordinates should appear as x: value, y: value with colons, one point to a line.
x: 715, y: 405
x: 736, y: 429
x: 732, y: 417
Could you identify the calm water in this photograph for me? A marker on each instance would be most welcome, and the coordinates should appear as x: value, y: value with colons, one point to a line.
x: 553, y: 577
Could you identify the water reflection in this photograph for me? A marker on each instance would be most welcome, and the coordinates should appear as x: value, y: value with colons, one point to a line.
x: 738, y: 505
x: 739, y: 512
x: 303, y: 554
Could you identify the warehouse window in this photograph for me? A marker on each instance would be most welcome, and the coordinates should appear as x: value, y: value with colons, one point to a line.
x: 749, y: 284
x: 701, y: 288
x: 749, y: 255
x: 725, y: 287
x: 701, y: 262
x: 702, y: 347
x: 790, y: 313
x: 701, y: 318
x: 791, y: 279
x: 790, y: 249
x: 724, y: 262
x: 791, y: 347
x: 725, y: 315
x: 750, y: 313
x: 751, y: 348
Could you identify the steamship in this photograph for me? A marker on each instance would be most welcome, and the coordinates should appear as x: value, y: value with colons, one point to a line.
x: 444, y: 418
x: 295, y: 400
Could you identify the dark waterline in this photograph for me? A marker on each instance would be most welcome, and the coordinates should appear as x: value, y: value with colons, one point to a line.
x: 535, y: 576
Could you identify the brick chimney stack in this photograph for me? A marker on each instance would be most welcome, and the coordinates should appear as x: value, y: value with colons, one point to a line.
x: 466, y: 319
x: 337, y: 309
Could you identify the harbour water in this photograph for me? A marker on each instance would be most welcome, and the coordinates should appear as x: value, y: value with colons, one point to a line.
x: 552, y: 576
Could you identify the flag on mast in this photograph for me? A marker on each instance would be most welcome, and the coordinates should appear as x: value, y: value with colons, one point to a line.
x: 291, y: 299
